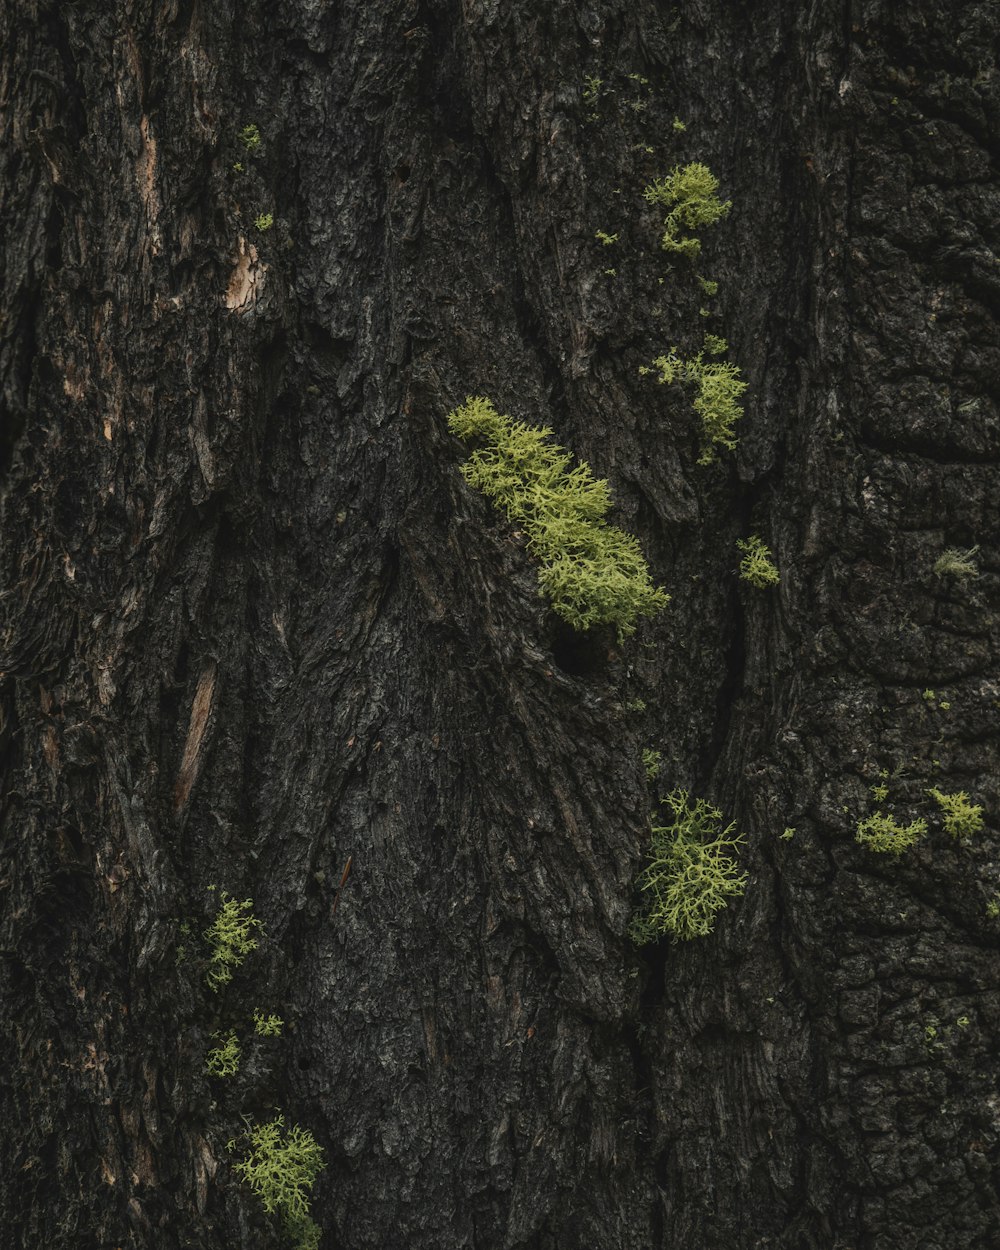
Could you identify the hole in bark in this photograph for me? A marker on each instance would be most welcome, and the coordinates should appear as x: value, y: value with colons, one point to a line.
x: 402, y: 172
x: 578, y: 654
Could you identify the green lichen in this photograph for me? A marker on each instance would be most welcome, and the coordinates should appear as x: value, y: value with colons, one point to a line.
x: 267, y: 1025
x: 593, y: 573
x: 718, y: 389
x: 689, y: 192
x: 250, y: 138
x: 757, y: 567
x: 883, y: 834
x: 961, y: 818
x: 281, y: 1168
x: 651, y: 763
x: 230, y: 939
x: 955, y: 563
x: 690, y: 876
x: 224, y: 1060
x: 603, y: 237
x: 264, y: 221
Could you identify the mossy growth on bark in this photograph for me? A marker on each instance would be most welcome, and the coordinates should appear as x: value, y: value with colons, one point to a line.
x: 961, y: 818
x: 689, y: 192
x: 757, y: 567
x: 691, y: 874
x: 718, y: 390
x: 224, y: 1059
x: 281, y: 1168
x: 883, y: 834
x: 593, y: 573
x: 230, y: 939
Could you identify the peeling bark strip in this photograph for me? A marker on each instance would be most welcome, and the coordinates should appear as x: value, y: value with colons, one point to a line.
x: 223, y: 440
x: 201, y: 709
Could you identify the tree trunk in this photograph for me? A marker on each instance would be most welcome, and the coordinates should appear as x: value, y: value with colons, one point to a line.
x: 255, y: 628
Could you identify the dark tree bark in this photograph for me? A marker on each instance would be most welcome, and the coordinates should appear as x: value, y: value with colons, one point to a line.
x: 254, y: 624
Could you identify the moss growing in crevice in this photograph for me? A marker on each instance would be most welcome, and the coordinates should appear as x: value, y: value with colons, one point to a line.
x: 593, y: 573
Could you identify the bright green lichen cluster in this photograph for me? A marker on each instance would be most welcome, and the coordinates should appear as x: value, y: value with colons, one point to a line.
x: 884, y: 834
x: 690, y: 875
x: 689, y: 192
x: 281, y: 1168
x: 230, y: 939
x: 267, y: 1025
x: 224, y: 1060
x: 593, y: 573
x: 961, y: 818
x: 651, y: 763
x: 719, y: 389
x: 250, y: 137
x: 757, y: 567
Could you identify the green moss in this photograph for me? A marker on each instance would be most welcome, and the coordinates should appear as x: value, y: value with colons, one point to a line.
x: 690, y: 875
x: 250, y: 138
x: 718, y: 390
x: 689, y: 192
x: 593, y: 573
x: 961, y: 818
x: 281, y: 1168
x: 756, y: 567
x: 224, y: 1060
x: 955, y: 563
x: 265, y: 1025
x: 230, y: 939
x: 264, y: 221
x: 883, y: 834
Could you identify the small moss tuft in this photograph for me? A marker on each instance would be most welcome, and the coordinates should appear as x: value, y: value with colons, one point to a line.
x: 719, y: 389
x: 961, y: 818
x: 281, y: 1168
x: 593, y: 573
x: 883, y: 834
x: 224, y: 1060
x: 757, y: 567
x: 690, y: 875
x: 955, y: 563
x: 689, y: 192
x: 230, y: 939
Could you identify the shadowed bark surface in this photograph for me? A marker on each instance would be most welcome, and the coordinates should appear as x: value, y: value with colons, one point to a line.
x: 255, y: 627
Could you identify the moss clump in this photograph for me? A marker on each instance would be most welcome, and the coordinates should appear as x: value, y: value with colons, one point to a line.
x: 593, y: 573
x: 883, y: 834
x: 690, y: 875
x: 718, y: 391
x: 281, y: 1167
x: 961, y: 818
x: 955, y: 563
x: 230, y: 940
x: 757, y: 567
x: 689, y: 192
x: 266, y: 1025
x: 224, y: 1060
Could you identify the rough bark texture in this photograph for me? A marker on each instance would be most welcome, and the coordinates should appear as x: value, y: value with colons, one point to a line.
x: 254, y: 623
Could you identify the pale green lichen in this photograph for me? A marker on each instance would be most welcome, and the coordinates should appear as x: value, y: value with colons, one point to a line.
x: 757, y: 567
x: 267, y: 1025
x: 224, y: 1059
x: 230, y: 939
x: 961, y: 818
x: 281, y: 1167
x: 689, y: 192
x: 955, y: 563
x: 651, y: 763
x: 690, y: 876
x: 885, y: 835
x: 718, y: 389
x: 593, y: 573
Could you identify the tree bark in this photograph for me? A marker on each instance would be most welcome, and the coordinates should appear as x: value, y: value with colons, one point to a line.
x: 256, y: 629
